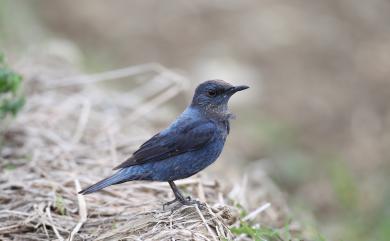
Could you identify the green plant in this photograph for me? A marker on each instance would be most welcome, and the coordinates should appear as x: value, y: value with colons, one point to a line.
x: 257, y: 233
x: 254, y: 232
x: 260, y: 233
x: 59, y: 205
x: 11, y: 100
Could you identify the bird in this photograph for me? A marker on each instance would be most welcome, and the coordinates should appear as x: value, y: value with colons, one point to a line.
x: 188, y: 145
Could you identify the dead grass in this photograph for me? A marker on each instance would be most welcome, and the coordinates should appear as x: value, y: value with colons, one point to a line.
x: 71, y: 134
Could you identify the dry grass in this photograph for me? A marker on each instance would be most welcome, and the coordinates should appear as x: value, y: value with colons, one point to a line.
x: 71, y: 134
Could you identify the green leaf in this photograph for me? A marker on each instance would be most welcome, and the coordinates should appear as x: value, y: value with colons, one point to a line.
x: 11, y: 106
x: 10, y: 87
x: 9, y: 81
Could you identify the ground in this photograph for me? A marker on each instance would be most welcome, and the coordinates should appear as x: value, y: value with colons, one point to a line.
x: 71, y: 134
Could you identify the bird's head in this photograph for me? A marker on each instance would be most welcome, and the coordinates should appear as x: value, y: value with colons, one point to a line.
x: 213, y: 95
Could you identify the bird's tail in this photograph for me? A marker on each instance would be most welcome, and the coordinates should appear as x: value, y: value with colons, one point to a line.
x: 117, y: 178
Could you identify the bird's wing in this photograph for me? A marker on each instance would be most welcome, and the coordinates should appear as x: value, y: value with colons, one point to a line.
x: 189, y: 137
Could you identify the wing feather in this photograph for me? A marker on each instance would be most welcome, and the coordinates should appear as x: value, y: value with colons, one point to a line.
x: 163, y: 145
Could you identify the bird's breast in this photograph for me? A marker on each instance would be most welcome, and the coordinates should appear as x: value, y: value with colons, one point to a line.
x: 223, y: 128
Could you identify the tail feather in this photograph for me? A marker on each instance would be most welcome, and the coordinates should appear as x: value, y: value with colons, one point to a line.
x: 117, y: 178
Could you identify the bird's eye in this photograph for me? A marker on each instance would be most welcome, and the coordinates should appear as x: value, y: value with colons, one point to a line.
x: 211, y: 93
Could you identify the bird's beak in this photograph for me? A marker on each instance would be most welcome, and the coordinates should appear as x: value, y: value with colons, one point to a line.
x: 237, y: 88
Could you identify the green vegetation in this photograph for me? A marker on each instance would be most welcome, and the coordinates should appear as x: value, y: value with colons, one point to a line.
x: 11, y: 100
x: 9, y: 167
x: 261, y: 233
x: 257, y: 233
x: 344, y: 184
x: 59, y: 205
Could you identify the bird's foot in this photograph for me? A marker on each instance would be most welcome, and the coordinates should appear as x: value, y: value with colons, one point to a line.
x: 187, y: 201
x: 169, y: 203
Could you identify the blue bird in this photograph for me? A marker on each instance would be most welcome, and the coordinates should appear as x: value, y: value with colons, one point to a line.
x: 190, y: 144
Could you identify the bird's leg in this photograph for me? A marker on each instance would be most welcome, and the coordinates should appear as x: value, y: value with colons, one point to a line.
x: 179, y: 197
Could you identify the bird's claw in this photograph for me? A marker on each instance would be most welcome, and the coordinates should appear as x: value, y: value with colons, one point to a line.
x: 169, y: 203
x: 187, y: 201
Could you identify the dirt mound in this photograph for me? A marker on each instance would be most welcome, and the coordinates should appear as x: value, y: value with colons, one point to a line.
x: 71, y: 133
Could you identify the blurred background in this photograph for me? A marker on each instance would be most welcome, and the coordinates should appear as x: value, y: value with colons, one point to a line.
x: 317, y: 118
